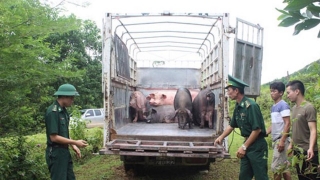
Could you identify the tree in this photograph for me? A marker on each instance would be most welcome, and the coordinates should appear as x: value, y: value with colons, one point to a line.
x: 83, y: 47
x: 304, y: 14
x: 27, y: 65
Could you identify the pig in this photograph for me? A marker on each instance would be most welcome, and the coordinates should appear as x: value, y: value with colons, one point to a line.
x: 161, y: 114
x: 139, y: 103
x: 203, y: 108
x: 166, y: 97
x: 183, y: 107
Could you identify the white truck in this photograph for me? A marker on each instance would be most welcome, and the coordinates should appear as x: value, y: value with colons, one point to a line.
x: 150, y: 52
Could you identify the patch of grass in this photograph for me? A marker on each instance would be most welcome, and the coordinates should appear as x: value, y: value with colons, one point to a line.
x: 39, y: 140
x: 99, y: 167
x: 104, y: 167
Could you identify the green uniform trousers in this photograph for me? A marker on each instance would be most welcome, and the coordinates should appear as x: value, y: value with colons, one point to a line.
x: 60, y: 164
x: 255, y: 162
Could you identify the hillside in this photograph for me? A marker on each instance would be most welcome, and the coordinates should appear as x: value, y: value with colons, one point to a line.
x: 305, y: 70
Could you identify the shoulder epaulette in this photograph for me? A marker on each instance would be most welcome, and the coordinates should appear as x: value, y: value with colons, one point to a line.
x: 247, y: 103
x: 54, y: 108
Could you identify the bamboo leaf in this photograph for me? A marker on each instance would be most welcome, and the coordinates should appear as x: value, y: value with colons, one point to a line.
x: 289, y: 22
x: 298, y: 28
x: 296, y: 5
x: 309, y: 14
x: 282, y: 11
x: 311, y: 23
x: 294, y: 161
x: 283, y: 16
x: 315, y: 10
x: 296, y: 14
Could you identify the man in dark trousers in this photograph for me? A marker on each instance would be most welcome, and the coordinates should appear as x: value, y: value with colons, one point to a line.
x: 248, y: 118
x: 57, y: 118
x: 304, y: 131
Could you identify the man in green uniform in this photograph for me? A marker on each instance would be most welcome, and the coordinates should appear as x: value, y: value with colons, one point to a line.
x: 248, y: 118
x: 58, y: 157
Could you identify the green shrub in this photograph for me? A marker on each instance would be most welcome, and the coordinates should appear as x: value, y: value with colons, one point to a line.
x: 22, y: 160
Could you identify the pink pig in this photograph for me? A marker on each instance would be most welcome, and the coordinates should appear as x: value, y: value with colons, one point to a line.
x: 166, y: 97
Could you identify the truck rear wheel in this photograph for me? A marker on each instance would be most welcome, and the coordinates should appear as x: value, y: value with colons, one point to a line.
x: 137, y: 169
x: 127, y: 167
x: 204, y: 167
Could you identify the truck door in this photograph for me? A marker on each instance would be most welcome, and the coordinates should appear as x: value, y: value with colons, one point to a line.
x: 247, y: 64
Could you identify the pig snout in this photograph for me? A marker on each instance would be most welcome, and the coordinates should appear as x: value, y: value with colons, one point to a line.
x: 133, y: 103
x: 154, y: 102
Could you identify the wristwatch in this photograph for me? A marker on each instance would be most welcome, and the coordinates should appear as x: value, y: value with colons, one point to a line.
x: 244, y: 147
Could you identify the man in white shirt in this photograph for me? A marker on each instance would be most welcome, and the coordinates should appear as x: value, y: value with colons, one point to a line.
x: 279, y: 129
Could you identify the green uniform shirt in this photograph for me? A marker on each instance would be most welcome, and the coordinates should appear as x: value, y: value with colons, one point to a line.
x: 247, y: 117
x: 57, y: 121
x: 300, y: 116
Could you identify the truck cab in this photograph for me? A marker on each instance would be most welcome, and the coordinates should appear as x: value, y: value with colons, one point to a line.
x: 163, y: 52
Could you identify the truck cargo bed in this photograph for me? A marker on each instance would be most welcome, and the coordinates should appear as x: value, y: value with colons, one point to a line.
x: 164, y: 132
x: 164, y: 139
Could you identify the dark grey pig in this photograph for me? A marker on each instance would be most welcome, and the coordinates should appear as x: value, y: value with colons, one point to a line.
x: 161, y: 114
x: 203, y: 108
x: 183, y: 107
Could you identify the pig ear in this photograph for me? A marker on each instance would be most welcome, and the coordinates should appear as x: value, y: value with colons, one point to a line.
x: 163, y: 96
x: 153, y: 111
x: 175, y: 113
x: 189, y: 113
x: 150, y: 96
x: 140, y: 101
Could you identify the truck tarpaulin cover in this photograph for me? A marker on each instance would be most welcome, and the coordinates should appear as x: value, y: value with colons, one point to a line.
x: 122, y: 58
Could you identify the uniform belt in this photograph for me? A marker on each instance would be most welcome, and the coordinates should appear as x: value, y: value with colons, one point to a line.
x: 245, y: 138
x: 65, y: 146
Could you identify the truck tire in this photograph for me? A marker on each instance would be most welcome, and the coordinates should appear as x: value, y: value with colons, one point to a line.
x: 127, y: 167
x: 137, y: 169
x: 204, y: 167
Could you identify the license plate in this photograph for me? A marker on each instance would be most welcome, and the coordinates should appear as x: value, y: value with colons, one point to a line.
x: 165, y: 161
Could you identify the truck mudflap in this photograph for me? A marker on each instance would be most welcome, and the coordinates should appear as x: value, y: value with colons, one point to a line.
x: 164, y: 149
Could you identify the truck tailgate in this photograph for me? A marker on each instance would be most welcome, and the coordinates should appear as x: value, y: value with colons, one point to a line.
x: 141, y: 139
x: 164, y: 132
x: 164, y: 148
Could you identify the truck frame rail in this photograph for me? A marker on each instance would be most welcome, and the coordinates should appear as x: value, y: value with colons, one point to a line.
x: 164, y: 148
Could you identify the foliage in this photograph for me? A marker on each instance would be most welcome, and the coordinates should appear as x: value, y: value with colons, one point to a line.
x: 21, y: 159
x: 77, y: 127
x: 304, y: 14
x: 25, y: 66
x: 39, y: 51
x: 78, y: 130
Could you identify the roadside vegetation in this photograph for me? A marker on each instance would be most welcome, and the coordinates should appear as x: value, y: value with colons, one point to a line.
x: 40, y: 49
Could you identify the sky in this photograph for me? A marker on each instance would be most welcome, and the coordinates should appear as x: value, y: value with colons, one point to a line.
x: 282, y: 52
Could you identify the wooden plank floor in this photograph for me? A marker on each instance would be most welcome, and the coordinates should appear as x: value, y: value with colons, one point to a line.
x: 163, y: 129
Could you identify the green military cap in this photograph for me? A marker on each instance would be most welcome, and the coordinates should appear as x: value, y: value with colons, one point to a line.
x: 235, y: 82
x: 66, y: 90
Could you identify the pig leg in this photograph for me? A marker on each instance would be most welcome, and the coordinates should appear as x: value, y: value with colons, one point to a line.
x: 142, y: 116
x: 136, y: 117
x: 176, y: 117
x: 203, y: 114
x: 210, y: 122
x: 210, y: 119
x: 189, y: 119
